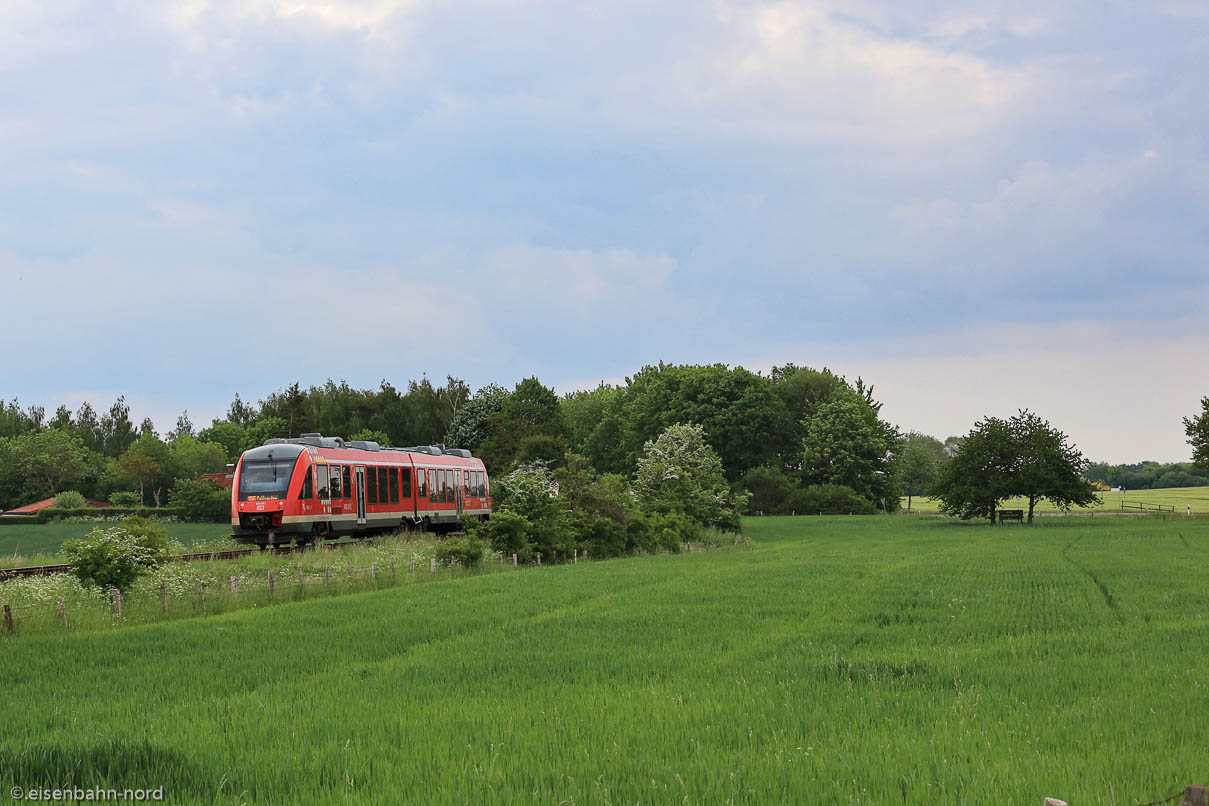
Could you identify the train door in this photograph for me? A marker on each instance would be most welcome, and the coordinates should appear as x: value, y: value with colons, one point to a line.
x: 322, y: 490
x: 360, y: 495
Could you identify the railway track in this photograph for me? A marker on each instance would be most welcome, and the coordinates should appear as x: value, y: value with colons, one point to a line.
x: 230, y: 554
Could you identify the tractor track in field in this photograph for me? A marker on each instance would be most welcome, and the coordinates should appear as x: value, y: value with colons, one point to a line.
x: 228, y: 554
x: 1104, y: 591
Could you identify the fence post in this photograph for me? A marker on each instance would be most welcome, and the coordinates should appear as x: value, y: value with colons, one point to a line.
x: 272, y: 582
x: 373, y: 572
x: 117, y: 602
x: 585, y: 554
x: 8, y: 618
x: 575, y: 557
x: 433, y: 565
x: 539, y: 561
x: 411, y: 565
x: 234, y: 586
x: 164, y: 597
x: 201, y: 595
x: 514, y: 561
x: 62, y: 612
x: 301, y: 580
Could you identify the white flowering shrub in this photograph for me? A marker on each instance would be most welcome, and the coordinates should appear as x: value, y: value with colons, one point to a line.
x: 109, y: 558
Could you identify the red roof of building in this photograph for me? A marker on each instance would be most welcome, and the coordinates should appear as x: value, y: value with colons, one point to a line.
x: 34, y: 509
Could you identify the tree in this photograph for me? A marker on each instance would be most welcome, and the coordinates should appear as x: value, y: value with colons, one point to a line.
x: 117, y: 432
x: 469, y: 426
x: 1046, y: 466
x: 52, y: 457
x: 229, y: 435
x: 978, y: 476
x: 1003, y: 458
x: 189, y: 458
x: 201, y: 501
x: 1197, y: 429
x: 845, y: 443
x: 680, y: 473
x: 184, y: 427
x: 369, y: 435
x: 917, y: 463
x: 146, y: 465
x: 531, y: 410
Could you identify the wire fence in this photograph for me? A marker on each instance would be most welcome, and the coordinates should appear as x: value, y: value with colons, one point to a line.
x: 93, y: 610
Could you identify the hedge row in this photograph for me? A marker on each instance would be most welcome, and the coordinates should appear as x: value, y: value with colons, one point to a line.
x: 107, y: 513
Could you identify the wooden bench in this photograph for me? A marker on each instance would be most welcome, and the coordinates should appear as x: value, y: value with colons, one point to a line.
x: 1011, y: 515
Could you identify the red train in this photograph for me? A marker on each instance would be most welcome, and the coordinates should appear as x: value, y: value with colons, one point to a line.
x: 315, y: 487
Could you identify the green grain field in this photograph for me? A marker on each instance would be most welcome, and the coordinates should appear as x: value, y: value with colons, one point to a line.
x: 839, y: 660
x: 35, y: 543
x: 1179, y: 497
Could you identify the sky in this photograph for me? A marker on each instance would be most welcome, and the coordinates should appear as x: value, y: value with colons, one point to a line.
x: 975, y: 206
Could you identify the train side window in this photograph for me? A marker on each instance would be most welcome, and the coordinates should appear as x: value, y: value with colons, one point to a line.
x: 433, y: 492
x: 466, y: 483
x: 394, y: 485
x: 478, y: 483
x: 336, y: 489
x: 406, y: 473
x: 421, y: 483
x: 371, y: 485
x: 308, y: 487
x: 321, y: 488
x: 383, y: 486
x: 445, y: 491
x: 348, y: 483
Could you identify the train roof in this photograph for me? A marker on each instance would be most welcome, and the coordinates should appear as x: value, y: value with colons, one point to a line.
x: 298, y: 444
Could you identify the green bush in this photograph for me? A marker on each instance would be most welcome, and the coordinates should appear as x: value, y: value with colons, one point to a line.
x: 201, y: 501
x: 124, y: 498
x: 147, y: 533
x: 466, y: 551
x: 109, y: 558
x: 109, y: 513
x: 831, y: 499
x: 22, y: 520
x: 70, y: 499
x: 508, y: 533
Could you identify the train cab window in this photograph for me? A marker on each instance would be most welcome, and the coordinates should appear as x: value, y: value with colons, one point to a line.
x: 433, y: 492
x: 371, y: 485
x: 336, y: 488
x: 308, y: 487
x: 321, y: 488
x: 406, y: 473
x: 348, y: 483
x: 394, y: 485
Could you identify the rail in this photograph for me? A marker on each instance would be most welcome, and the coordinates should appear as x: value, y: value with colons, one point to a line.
x: 227, y: 554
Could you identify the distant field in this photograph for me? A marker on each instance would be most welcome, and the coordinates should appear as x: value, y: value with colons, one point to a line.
x: 847, y: 660
x: 40, y: 541
x: 1179, y: 497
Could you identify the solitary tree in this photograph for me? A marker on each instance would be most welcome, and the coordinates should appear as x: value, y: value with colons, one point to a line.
x: 1197, y: 429
x: 1002, y: 458
x: 1046, y: 466
x: 977, y: 477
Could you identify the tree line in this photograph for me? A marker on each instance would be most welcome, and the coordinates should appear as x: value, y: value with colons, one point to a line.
x: 796, y: 439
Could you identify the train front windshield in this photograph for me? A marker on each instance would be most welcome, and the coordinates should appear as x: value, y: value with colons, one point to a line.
x: 265, y: 480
